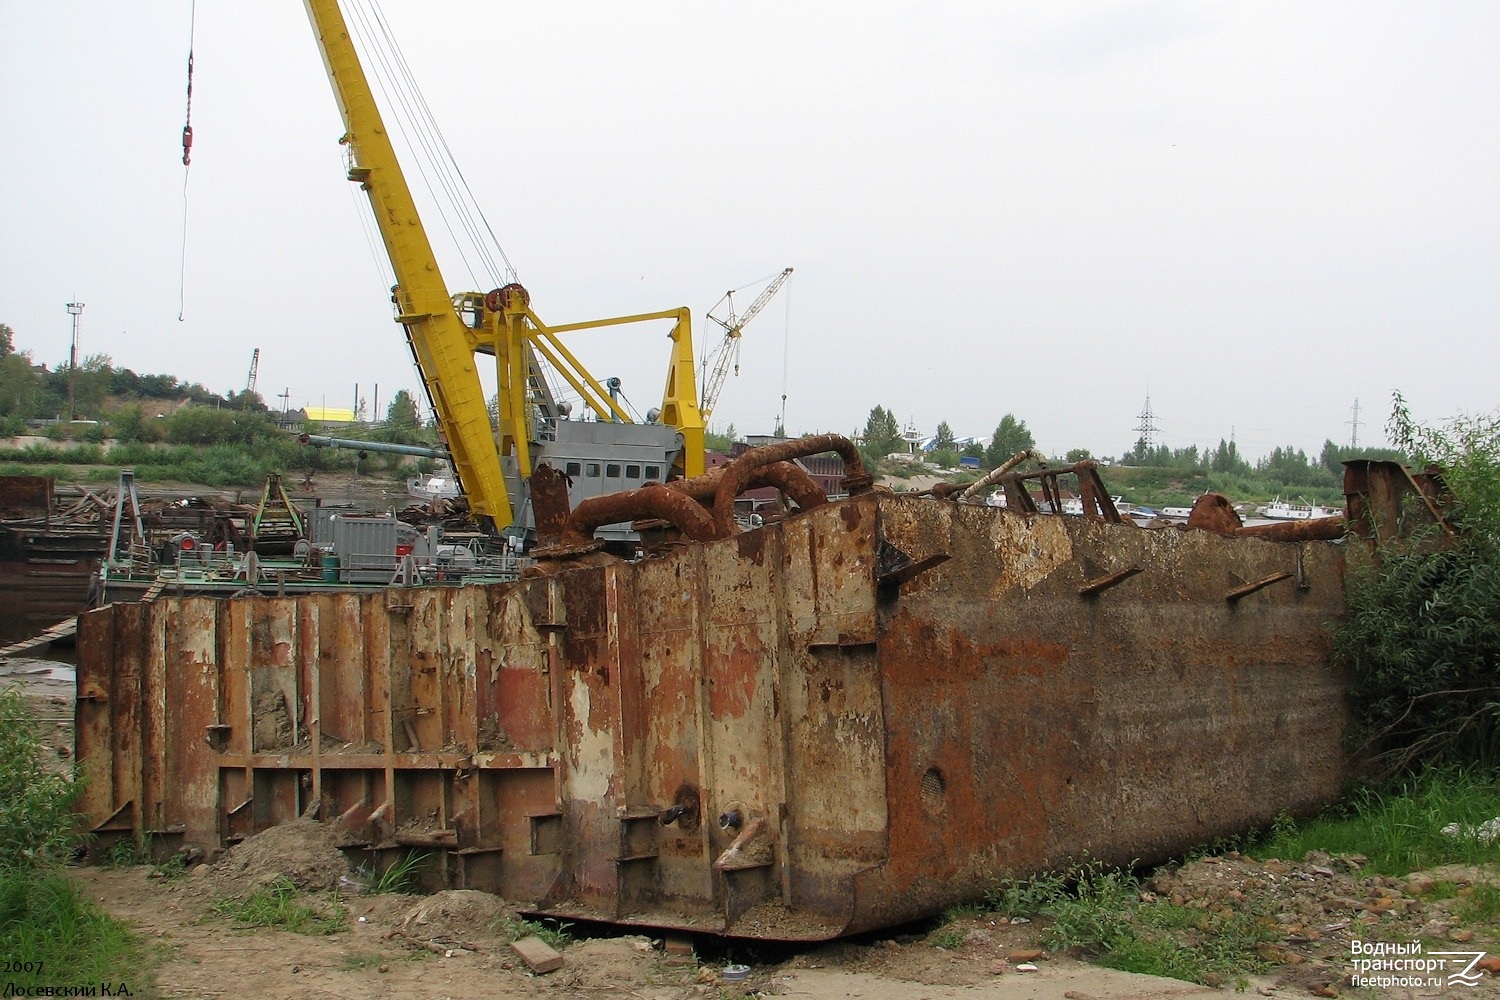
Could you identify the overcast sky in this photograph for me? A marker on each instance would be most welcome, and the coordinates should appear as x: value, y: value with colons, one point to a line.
x: 1254, y: 212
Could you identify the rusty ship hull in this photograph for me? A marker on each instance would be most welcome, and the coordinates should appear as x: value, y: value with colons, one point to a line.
x: 854, y: 717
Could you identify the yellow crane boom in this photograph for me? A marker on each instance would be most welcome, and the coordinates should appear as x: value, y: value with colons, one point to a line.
x: 445, y: 331
x: 441, y: 343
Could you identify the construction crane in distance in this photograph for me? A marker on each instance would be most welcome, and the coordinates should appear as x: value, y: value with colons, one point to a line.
x: 716, y: 365
x: 254, y: 370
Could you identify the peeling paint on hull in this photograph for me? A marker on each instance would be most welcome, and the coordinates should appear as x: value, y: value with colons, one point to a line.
x: 857, y: 716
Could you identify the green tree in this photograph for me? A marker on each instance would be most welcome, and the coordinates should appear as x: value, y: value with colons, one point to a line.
x: 21, y: 387
x: 943, y: 440
x: 943, y: 458
x: 7, y: 340
x: 973, y: 450
x: 1076, y: 455
x: 207, y: 425
x: 1226, y: 459
x: 1289, y: 467
x: 91, y: 386
x: 402, y: 413
x: 1010, y: 437
x: 882, y: 433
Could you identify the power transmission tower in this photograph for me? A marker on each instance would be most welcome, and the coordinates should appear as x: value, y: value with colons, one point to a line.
x: 1147, y: 427
x: 1354, y: 434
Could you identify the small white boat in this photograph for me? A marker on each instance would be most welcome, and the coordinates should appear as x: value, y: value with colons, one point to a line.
x: 433, y: 487
x: 1175, y: 513
x: 1281, y: 510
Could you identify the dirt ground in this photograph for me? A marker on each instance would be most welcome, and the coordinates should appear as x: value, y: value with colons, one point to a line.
x: 382, y: 953
x: 456, y: 944
x: 450, y: 946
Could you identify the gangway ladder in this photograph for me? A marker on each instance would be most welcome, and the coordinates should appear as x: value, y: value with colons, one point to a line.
x: 126, y: 490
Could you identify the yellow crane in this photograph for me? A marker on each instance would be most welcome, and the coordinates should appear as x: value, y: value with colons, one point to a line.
x: 716, y: 366
x: 445, y: 333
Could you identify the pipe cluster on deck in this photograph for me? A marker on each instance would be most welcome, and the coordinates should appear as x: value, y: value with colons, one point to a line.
x: 700, y: 508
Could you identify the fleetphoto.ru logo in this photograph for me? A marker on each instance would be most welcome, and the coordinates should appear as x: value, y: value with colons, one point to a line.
x: 1386, y: 964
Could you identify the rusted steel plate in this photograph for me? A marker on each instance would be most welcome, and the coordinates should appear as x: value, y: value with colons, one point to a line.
x: 856, y: 716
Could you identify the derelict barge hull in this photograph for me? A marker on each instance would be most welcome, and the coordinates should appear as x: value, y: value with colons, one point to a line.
x: 857, y: 716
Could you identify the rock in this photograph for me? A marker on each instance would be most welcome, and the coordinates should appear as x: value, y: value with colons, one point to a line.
x: 540, y: 956
x: 1460, y: 934
x: 1324, y: 990
x: 1486, y: 833
x: 1025, y: 954
x: 999, y: 967
x: 384, y: 967
x: 1490, y: 964
x: 1420, y: 884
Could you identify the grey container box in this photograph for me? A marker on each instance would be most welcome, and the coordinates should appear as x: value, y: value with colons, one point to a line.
x: 366, y: 546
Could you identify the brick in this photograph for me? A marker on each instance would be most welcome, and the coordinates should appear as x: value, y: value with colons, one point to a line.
x: 540, y: 956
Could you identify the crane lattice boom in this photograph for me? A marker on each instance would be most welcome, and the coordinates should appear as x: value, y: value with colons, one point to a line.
x: 728, y: 352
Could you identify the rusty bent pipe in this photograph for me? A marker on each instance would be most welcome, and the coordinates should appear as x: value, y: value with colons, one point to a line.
x: 649, y: 501
x: 788, y: 477
x: 564, y: 534
x: 737, y: 474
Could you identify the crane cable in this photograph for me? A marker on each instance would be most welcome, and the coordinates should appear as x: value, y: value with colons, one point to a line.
x: 187, y: 158
x: 432, y: 156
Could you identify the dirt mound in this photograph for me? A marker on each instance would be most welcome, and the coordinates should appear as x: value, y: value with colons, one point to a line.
x: 457, y: 918
x: 608, y: 965
x: 302, y: 851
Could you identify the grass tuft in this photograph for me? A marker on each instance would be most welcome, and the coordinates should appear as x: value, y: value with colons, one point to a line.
x: 281, y: 905
x: 401, y: 876
x: 1399, y: 829
x: 1100, y: 914
x: 554, y: 932
x: 51, y: 935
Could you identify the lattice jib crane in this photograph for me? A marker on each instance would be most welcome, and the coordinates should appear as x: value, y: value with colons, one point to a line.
x: 716, y: 366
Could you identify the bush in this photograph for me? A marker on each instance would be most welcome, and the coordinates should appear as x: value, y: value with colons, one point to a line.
x: 49, y: 934
x: 36, y: 815
x: 1421, y: 638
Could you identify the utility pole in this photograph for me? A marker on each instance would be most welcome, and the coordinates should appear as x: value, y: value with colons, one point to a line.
x: 1354, y: 434
x: 75, y: 309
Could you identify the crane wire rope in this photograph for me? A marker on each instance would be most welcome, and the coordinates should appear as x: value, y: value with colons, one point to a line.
x: 434, y: 158
x: 412, y: 130
x: 509, y: 272
x: 786, y: 344
x: 187, y: 156
x: 429, y: 147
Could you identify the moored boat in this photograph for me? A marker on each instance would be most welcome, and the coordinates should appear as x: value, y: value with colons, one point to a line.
x: 1282, y: 510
